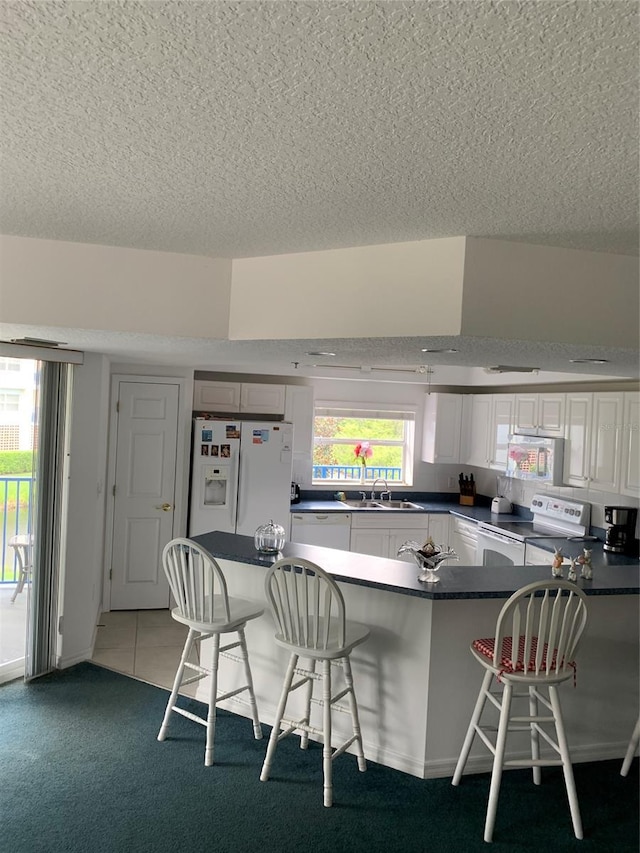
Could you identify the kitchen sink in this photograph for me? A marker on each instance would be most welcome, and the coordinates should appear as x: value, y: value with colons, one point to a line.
x: 369, y: 504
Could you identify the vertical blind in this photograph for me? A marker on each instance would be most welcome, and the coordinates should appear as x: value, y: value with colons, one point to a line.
x: 49, y: 481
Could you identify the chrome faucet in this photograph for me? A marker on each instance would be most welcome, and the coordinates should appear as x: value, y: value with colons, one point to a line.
x: 373, y: 488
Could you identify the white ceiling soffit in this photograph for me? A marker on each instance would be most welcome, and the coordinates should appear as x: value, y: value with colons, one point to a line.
x: 356, y: 358
x: 239, y: 129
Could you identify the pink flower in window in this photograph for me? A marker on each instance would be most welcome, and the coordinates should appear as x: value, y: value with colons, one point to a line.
x: 363, y: 451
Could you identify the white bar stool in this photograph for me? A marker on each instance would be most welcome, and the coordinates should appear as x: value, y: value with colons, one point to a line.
x: 22, y: 544
x: 200, y: 591
x: 309, y: 613
x: 543, y: 619
x: 631, y: 750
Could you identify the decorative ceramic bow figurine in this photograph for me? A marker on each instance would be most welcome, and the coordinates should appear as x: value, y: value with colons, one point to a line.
x: 428, y: 557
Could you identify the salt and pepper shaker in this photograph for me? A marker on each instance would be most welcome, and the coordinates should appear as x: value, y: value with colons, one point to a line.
x: 587, y: 569
x: 556, y: 565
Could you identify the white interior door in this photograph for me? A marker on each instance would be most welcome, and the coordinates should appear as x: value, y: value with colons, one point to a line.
x: 144, y: 493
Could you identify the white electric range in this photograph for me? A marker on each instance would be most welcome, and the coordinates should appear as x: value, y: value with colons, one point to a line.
x: 503, y: 543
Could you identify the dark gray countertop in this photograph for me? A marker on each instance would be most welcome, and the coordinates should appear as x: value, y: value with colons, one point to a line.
x: 475, y: 513
x: 599, y: 557
x: 456, y: 582
x: 480, y: 513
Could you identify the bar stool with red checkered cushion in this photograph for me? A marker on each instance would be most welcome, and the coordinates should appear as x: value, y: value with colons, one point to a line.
x: 548, y: 618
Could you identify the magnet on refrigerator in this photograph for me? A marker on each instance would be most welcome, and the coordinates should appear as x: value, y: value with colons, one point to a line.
x: 243, y: 478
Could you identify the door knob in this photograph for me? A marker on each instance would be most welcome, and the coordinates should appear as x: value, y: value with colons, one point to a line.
x: 165, y: 507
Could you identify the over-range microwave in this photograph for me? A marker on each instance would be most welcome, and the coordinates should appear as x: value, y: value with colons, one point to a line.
x: 536, y: 459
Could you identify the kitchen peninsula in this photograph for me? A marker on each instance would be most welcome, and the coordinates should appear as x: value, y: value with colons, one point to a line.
x: 415, y: 678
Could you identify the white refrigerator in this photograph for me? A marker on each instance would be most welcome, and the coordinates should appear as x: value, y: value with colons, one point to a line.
x: 240, y: 475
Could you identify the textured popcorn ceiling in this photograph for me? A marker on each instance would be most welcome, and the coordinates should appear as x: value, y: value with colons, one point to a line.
x: 250, y: 128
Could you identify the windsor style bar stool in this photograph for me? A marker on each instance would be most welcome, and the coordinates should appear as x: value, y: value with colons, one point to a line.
x: 199, y: 588
x: 309, y: 613
x: 537, y: 634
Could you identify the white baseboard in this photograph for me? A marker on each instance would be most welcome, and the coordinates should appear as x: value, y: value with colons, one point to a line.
x: 63, y: 662
x: 11, y: 671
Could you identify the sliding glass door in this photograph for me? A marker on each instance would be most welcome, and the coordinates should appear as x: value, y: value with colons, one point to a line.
x: 34, y: 404
x: 19, y: 384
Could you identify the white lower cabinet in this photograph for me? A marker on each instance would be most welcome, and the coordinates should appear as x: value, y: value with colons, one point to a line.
x: 463, y: 538
x: 534, y: 556
x: 439, y: 528
x: 380, y: 536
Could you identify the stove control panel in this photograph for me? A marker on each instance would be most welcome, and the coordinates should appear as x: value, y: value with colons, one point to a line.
x: 561, y: 510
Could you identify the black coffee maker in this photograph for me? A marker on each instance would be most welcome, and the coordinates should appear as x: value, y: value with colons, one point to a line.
x: 621, y: 529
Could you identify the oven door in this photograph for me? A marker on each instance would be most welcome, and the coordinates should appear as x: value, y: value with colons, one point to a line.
x: 496, y: 549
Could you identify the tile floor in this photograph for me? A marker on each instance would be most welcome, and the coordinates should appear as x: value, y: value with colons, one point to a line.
x: 146, y: 644
x: 13, y: 621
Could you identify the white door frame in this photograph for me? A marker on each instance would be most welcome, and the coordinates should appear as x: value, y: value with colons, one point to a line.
x: 183, y: 449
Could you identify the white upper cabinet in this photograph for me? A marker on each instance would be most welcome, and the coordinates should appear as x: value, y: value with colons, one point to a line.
x: 577, y: 434
x: 298, y: 410
x: 487, y: 425
x: 526, y: 414
x: 551, y: 414
x: 502, y: 409
x: 260, y: 398
x: 475, y: 432
x: 602, y: 432
x: 630, y: 463
x: 606, y: 441
x: 441, y: 428
x: 216, y: 396
x: 539, y: 414
x: 238, y: 397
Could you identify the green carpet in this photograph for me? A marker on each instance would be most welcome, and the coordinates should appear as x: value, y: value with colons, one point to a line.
x: 82, y: 771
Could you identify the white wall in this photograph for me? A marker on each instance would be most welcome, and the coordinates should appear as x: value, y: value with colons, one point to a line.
x: 544, y: 293
x: 83, y: 569
x: 521, y: 492
x: 448, y: 286
x: 427, y: 478
x: 78, y: 285
x: 370, y: 291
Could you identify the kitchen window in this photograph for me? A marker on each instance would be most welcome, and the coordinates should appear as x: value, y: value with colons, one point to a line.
x: 385, y: 438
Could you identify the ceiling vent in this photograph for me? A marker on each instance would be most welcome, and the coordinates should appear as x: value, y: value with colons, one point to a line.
x: 38, y: 342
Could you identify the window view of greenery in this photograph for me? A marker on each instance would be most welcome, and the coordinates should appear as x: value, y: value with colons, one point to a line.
x: 15, y: 498
x: 18, y: 433
x: 336, y: 439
